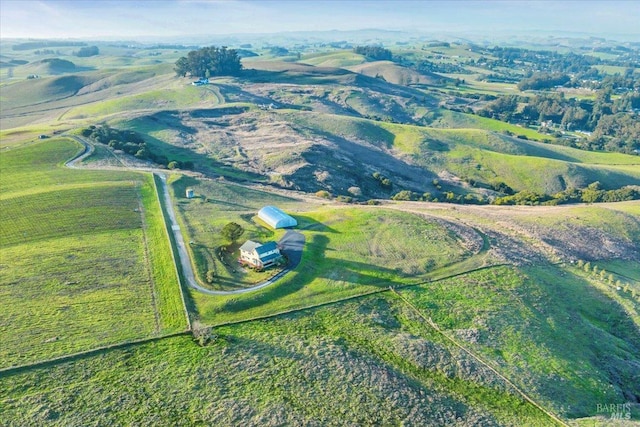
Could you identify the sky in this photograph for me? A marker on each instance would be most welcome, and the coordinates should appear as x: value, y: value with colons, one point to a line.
x: 95, y: 19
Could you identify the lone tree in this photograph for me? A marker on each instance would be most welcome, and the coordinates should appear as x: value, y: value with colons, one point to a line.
x: 209, y: 61
x: 232, y: 231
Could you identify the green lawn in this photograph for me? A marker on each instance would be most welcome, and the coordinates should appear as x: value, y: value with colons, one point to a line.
x: 85, y: 257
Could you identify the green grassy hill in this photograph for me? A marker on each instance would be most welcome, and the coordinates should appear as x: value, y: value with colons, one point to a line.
x: 481, y: 155
x: 396, y: 74
x: 340, y: 59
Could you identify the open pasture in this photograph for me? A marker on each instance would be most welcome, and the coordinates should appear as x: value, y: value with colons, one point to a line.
x: 348, y: 251
x: 78, y: 269
x: 292, y: 369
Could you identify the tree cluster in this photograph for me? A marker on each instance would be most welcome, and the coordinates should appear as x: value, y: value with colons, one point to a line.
x: 232, y: 231
x: 85, y: 52
x: 382, y: 180
x: 426, y: 66
x: 131, y: 143
x: 208, y: 62
x: 376, y: 53
x: 613, y: 122
x: 541, y: 81
x: 592, y: 194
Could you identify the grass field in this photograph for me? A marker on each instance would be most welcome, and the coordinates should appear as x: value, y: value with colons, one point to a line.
x: 452, y: 119
x: 84, y: 257
x: 372, y: 361
x: 348, y: 251
x: 161, y: 99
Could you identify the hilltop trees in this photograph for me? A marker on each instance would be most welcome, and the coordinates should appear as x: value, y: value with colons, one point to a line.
x: 209, y: 61
x: 374, y: 52
x: 88, y: 51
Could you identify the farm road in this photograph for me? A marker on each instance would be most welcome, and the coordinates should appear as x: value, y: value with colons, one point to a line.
x: 291, y: 244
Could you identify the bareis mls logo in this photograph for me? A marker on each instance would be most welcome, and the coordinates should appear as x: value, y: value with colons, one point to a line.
x: 618, y: 411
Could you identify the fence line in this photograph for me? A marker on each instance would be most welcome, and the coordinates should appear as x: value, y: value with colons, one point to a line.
x: 480, y: 360
x: 82, y: 354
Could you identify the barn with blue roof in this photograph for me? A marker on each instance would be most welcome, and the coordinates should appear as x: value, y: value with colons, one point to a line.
x: 276, y: 218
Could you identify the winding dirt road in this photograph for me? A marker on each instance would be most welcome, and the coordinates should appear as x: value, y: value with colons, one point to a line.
x: 292, y: 243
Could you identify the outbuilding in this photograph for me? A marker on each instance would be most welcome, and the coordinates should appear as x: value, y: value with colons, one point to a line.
x: 276, y: 218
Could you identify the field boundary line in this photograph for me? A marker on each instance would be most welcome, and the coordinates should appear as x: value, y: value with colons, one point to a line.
x: 431, y: 323
x: 173, y: 249
x: 82, y: 354
x: 126, y: 344
x: 353, y: 297
x: 147, y: 263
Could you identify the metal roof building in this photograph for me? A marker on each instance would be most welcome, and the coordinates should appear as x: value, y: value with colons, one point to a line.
x: 259, y: 255
x: 275, y: 218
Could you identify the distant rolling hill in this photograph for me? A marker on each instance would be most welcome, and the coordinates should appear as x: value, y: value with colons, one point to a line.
x: 50, y: 66
x: 397, y: 74
x: 339, y: 59
x: 330, y: 128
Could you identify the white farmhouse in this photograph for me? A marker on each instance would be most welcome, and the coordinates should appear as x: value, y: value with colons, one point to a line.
x: 258, y: 255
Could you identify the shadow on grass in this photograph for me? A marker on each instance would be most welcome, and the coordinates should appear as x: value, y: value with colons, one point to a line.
x: 315, y: 265
x: 308, y: 223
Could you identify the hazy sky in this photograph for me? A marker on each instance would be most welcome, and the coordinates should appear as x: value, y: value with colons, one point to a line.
x: 172, y: 18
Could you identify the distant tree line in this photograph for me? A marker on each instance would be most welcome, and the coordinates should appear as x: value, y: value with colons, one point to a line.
x: 131, y: 143
x: 47, y: 52
x: 208, y: 62
x: 377, y: 53
x: 45, y: 44
x: 87, y: 51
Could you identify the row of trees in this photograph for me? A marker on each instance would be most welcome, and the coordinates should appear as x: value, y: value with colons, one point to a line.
x: 208, y: 62
x: 592, y: 194
x: 131, y: 143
